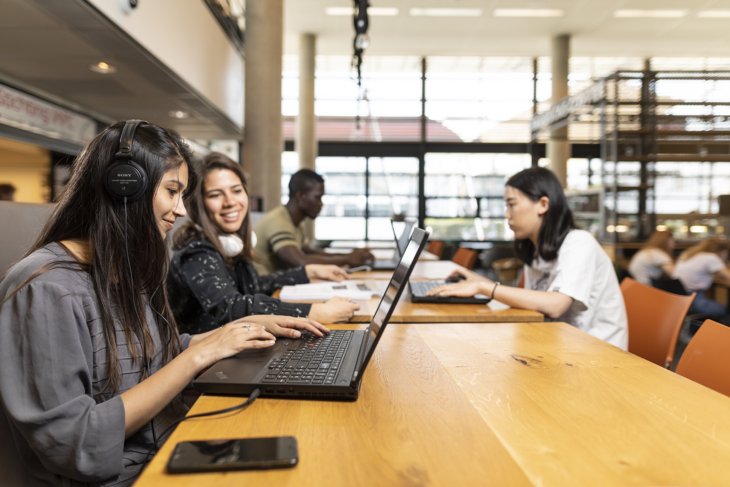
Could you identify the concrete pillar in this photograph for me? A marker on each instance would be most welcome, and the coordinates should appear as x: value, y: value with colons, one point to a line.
x: 262, y: 131
x: 558, y: 149
x: 306, y: 143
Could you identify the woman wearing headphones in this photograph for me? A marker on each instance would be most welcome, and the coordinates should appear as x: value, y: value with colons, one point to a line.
x: 91, y: 363
x: 213, y: 280
x: 568, y: 276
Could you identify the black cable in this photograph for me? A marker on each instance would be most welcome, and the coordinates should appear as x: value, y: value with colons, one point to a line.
x: 238, y: 407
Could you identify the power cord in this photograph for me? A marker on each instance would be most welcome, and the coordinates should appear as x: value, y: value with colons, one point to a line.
x: 238, y: 407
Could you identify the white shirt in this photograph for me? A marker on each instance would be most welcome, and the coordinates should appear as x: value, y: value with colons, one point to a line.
x: 583, y: 271
x: 647, y: 264
x: 698, y: 272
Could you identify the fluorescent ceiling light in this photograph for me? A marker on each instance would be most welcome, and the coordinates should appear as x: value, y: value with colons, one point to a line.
x: 713, y: 14
x: 528, y: 12
x: 446, y: 12
x: 654, y: 13
x: 374, y: 11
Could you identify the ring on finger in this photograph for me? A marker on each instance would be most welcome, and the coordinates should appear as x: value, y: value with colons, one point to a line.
x: 247, y: 327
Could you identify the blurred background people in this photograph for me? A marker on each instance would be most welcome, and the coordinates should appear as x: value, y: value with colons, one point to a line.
x: 698, y: 267
x: 654, y: 260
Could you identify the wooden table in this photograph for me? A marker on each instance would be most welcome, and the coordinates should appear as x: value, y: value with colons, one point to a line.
x: 408, y: 312
x: 505, y: 404
x: 425, y: 269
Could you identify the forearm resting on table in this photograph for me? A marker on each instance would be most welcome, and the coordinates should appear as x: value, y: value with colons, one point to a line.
x: 549, y: 303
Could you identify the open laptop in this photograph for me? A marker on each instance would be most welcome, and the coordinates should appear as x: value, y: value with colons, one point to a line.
x: 388, y: 260
x: 419, y: 289
x: 301, y: 369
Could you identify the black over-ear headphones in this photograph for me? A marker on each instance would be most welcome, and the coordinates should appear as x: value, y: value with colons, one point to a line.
x: 126, y: 179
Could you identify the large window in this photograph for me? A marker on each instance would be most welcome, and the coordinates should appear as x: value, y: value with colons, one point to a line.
x: 480, y: 99
x: 464, y: 194
x: 488, y: 103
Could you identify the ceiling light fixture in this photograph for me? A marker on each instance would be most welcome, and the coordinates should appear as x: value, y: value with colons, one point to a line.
x: 713, y: 14
x: 446, y: 12
x: 373, y: 11
x: 179, y: 114
x: 649, y: 14
x: 528, y: 12
x: 103, y: 67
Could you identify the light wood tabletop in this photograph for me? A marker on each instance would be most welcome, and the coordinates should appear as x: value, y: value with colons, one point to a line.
x: 408, y: 312
x: 505, y: 404
x: 425, y: 269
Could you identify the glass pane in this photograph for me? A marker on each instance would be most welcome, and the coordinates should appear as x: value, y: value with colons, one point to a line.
x: 339, y: 228
x: 480, y: 98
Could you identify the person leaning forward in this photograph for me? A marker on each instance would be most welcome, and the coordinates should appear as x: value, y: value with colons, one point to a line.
x: 281, y: 243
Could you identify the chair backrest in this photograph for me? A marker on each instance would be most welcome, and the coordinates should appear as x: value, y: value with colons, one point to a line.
x: 436, y: 247
x: 655, y: 318
x: 706, y: 359
x: 465, y: 257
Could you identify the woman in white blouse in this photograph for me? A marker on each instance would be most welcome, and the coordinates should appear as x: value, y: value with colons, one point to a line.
x: 701, y: 265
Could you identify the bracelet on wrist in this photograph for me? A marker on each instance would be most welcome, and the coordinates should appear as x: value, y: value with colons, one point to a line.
x: 496, y: 283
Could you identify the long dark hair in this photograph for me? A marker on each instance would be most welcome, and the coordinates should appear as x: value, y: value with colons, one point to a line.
x: 87, y: 212
x: 200, y: 225
x: 535, y: 183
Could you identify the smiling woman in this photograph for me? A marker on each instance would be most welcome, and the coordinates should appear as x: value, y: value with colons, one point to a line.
x: 213, y: 279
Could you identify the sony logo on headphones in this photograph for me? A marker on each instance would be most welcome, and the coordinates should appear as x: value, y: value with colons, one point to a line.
x: 124, y: 174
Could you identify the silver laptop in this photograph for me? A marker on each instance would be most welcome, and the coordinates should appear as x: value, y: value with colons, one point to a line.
x: 311, y: 367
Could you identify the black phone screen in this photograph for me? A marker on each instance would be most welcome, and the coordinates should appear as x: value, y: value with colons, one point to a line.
x: 233, y: 454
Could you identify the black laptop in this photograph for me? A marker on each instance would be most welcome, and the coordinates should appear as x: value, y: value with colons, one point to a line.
x: 401, y: 232
x: 419, y: 290
x: 311, y: 367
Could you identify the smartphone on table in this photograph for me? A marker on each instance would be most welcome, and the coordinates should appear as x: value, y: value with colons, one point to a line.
x: 233, y: 454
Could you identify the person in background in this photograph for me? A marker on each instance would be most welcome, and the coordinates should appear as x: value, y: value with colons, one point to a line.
x: 698, y: 267
x: 654, y: 260
x: 568, y: 276
x: 7, y: 192
x: 281, y: 243
x: 213, y: 279
x: 91, y: 362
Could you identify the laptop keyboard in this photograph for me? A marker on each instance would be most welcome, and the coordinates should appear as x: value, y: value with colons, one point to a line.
x: 420, y: 288
x: 316, y: 361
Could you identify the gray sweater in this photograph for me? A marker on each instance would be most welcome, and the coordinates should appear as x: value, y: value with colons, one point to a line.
x: 57, y: 427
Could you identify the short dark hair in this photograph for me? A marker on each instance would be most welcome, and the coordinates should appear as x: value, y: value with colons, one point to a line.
x: 535, y: 183
x: 303, y: 180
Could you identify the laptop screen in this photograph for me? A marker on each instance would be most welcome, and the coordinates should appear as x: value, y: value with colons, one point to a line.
x: 402, y: 233
x: 392, y: 293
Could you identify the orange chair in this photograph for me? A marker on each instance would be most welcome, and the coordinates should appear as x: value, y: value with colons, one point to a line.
x: 465, y: 257
x: 706, y: 359
x: 436, y: 247
x: 655, y: 318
